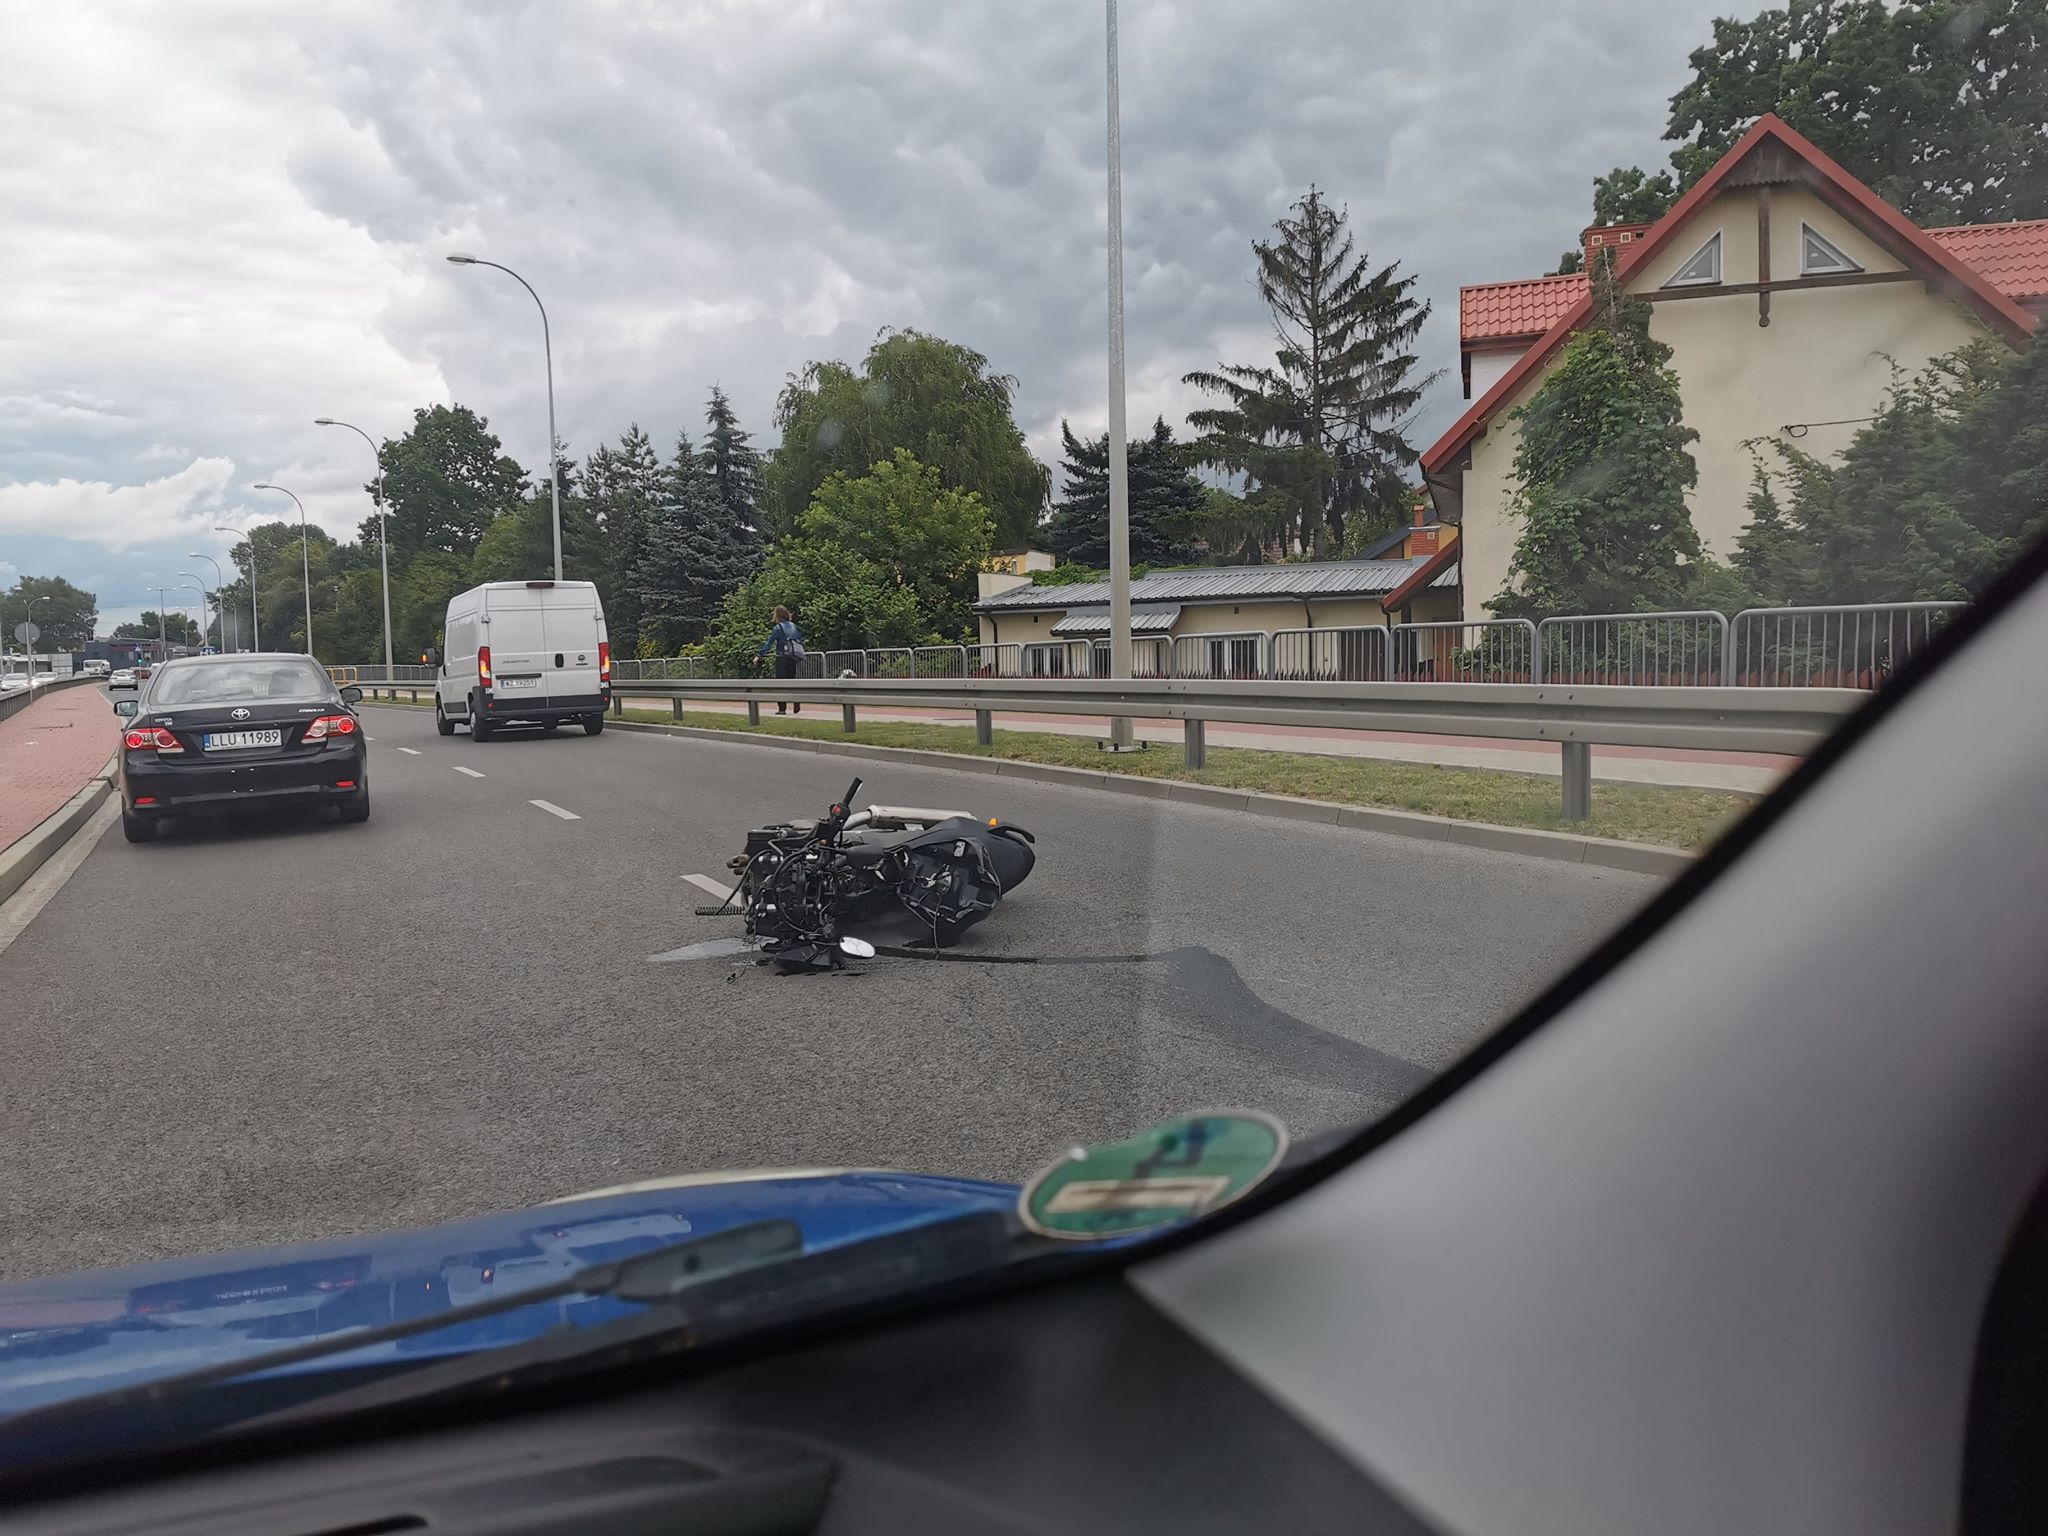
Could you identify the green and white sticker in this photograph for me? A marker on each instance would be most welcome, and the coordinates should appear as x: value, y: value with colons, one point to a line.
x: 1175, y: 1171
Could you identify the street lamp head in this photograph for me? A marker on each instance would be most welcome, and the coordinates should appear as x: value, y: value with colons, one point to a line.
x: 463, y: 259
x: 323, y: 421
x: 265, y: 485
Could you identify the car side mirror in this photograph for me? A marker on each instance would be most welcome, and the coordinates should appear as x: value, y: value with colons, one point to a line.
x: 351, y: 694
x: 126, y: 706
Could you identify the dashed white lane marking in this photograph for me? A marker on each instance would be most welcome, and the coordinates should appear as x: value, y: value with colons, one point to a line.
x: 555, y: 810
x: 410, y: 751
x: 706, y: 883
x: 470, y: 771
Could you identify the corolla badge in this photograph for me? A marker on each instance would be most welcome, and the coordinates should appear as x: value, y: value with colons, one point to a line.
x: 238, y: 714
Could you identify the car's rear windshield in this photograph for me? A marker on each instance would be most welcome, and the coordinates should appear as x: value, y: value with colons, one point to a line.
x: 240, y: 681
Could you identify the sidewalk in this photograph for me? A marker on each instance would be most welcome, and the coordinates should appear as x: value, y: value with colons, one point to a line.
x: 48, y: 752
x: 1742, y: 772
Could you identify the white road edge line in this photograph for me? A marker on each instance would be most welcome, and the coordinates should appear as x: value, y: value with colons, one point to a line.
x: 555, y: 810
x: 470, y: 771
x: 706, y: 883
x: 410, y: 751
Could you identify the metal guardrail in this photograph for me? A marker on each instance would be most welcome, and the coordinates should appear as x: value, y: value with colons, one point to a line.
x: 1234, y: 654
x: 1358, y: 654
x: 1775, y: 720
x: 1841, y: 647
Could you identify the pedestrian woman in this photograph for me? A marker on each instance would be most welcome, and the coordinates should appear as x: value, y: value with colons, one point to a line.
x: 788, y: 647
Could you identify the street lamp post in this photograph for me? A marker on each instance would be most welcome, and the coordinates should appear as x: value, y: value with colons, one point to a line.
x: 305, y: 559
x: 463, y: 259
x: 255, y: 630
x: 194, y: 584
x: 31, y: 647
x: 384, y: 518
x: 1121, y: 733
x: 219, y: 601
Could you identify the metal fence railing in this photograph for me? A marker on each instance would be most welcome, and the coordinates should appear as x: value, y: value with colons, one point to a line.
x: 1484, y: 651
x: 1847, y: 647
x: 1234, y: 654
x: 1354, y: 655
x: 1683, y: 649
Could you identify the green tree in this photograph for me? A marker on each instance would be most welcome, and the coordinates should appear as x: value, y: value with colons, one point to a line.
x: 420, y: 603
x: 66, y: 615
x: 733, y: 464
x: 934, y: 398
x: 176, y: 629
x: 885, y: 558
x: 1930, y: 501
x: 445, y: 482
x: 698, y: 547
x: 1937, y: 105
x: 1325, y: 426
x: 1167, y: 503
x: 622, y: 488
x: 1601, y: 475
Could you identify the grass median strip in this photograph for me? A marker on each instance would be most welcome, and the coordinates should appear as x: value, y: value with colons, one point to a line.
x: 1675, y: 818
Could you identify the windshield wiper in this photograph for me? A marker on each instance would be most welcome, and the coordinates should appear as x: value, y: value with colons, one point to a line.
x: 654, y: 1276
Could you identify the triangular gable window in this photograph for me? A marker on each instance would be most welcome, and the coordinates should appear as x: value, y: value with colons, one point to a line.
x: 1819, y: 255
x: 1701, y: 268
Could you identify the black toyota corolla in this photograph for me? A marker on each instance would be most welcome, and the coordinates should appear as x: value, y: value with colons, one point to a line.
x: 216, y: 733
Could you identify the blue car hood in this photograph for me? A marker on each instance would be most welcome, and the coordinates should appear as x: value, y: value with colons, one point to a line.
x: 77, y: 1334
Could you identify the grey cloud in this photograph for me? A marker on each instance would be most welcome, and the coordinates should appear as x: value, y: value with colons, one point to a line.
x: 722, y: 191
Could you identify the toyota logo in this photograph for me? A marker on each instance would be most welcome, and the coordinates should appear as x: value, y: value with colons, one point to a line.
x: 238, y: 714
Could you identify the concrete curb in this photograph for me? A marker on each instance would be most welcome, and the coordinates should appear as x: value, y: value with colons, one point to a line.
x: 1532, y: 842
x: 29, y: 852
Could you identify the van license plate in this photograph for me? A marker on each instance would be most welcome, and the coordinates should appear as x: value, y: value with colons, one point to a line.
x: 505, y: 683
x: 215, y: 741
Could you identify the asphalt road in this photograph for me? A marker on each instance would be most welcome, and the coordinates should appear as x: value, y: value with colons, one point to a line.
x: 276, y: 1029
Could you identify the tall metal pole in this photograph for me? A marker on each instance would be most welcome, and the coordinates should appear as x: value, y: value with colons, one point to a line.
x: 305, y: 559
x: 384, y: 515
x: 255, y: 635
x: 1120, y: 729
x: 547, y: 347
x: 220, y: 600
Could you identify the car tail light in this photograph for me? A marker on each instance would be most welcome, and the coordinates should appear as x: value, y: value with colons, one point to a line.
x: 483, y: 665
x: 344, y: 783
x: 145, y: 799
x: 330, y: 725
x: 143, y: 737
x: 604, y: 661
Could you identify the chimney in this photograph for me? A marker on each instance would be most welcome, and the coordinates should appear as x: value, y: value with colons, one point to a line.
x: 1614, y: 239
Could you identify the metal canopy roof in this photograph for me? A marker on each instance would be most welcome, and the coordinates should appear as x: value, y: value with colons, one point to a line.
x: 1336, y: 578
x: 1155, y: 619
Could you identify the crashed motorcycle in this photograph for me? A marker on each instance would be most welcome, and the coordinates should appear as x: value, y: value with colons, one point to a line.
x: 933, y: 874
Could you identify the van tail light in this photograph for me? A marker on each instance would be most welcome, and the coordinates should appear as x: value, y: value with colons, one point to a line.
x: 604, y: 661
x: 483, y: 665
x: 330, y: 725
x: 143, y: 737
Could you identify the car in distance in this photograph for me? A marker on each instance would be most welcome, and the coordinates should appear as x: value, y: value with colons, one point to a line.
x: 13, y: 682
x: 124, y: 677
x: 224, y: 733
x: 523, y: 653
x: 96, y: 668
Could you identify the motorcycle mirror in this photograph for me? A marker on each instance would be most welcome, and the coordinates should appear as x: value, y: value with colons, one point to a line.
x: 860, y: 949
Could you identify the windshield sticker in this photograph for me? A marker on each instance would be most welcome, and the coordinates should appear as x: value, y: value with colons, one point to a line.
x: 1175, y: 1171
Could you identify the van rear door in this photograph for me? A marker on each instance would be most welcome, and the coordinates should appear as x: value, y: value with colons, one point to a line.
x: 574, y: 627
x: 517, y: 637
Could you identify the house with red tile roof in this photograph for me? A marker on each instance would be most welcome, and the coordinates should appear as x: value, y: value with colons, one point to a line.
x: 1788, y: 292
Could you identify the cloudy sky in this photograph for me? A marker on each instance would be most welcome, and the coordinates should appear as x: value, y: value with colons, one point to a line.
x: 222, y: 218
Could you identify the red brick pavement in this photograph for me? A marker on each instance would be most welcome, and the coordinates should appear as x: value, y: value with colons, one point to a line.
x: 48, y: 752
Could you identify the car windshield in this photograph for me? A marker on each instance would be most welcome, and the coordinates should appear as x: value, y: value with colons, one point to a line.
x: 238, y: 683
x: 1302, y: 519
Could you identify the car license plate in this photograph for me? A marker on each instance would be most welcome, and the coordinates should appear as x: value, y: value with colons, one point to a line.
x: 505, y: 683
x: 216, y: 741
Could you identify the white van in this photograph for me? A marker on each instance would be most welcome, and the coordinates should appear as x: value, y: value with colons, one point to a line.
x: 523, y: 653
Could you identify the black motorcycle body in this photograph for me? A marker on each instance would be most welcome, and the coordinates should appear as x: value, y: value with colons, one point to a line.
x: 938, y: 873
